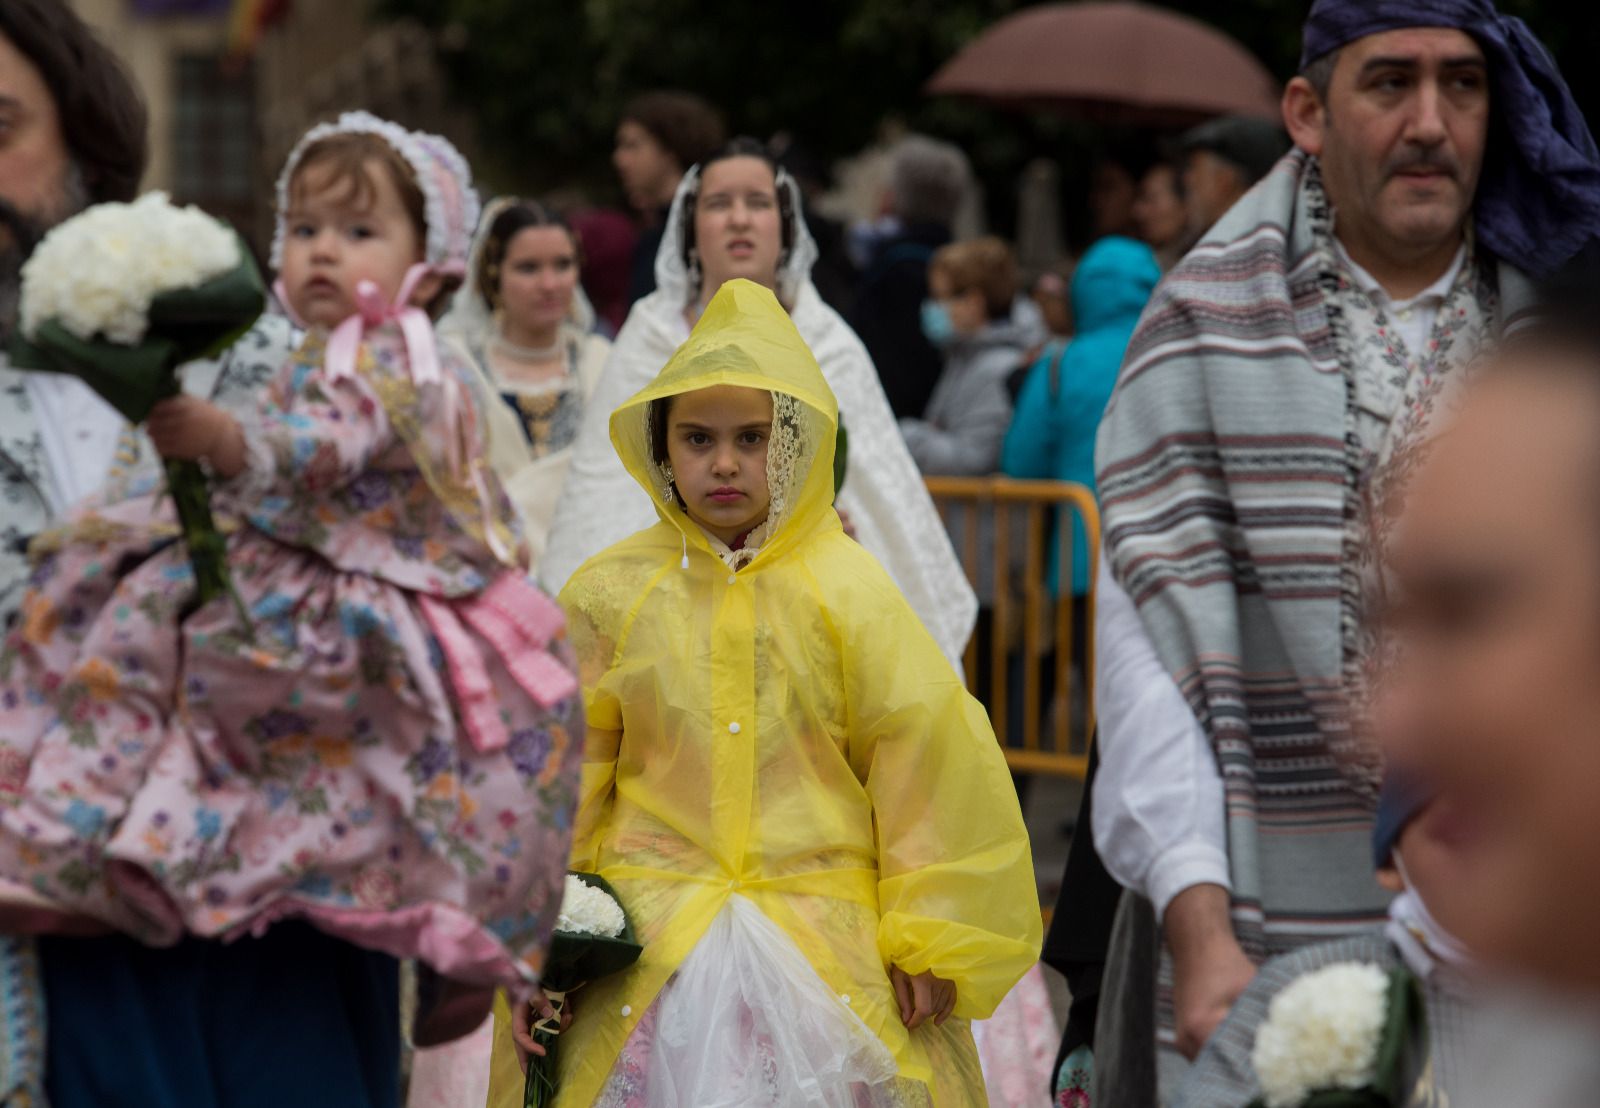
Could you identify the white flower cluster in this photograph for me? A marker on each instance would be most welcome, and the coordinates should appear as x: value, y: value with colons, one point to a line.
x: 586, y: 910
x: 1322, y: 1032
x: 97, y: 272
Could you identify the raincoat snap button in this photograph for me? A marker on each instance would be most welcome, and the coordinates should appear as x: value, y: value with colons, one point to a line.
x: 734, y: 728
x: 733, y: 578
x: 845, y: 998
x: 627, y: 1010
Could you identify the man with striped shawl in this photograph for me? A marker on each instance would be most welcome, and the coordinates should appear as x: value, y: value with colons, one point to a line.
x: 1275, y: 394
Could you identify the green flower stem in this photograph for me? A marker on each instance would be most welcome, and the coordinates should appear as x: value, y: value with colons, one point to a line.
x: 540, y: 1091
x: 208, y: 550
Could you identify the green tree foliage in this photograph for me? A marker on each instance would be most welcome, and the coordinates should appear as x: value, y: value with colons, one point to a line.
x: 546, y: 80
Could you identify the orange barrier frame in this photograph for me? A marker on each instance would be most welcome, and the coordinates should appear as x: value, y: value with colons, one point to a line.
x: 1066, y: 753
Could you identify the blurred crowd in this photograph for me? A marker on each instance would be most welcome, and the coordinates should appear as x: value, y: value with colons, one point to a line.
x: 988, y: 369
x: 954, y: 327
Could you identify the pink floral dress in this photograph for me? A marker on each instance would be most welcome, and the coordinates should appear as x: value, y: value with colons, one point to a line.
x: 366, y: 750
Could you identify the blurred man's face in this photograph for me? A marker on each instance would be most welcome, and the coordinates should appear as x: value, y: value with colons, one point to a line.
x: 1211, y: 185
x: 1112, y: 191
x: 649, y: 173
x: 34, y: 164
x: 1494, y: 691
x: 38, y: 187
x: 1158, y: 210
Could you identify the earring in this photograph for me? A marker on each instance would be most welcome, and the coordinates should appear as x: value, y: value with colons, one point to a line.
x: 668, y: 492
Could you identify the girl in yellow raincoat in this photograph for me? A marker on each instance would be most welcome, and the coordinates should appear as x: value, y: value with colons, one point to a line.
x: 806, y: 816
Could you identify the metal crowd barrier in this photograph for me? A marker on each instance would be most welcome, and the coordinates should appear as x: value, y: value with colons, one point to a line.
x: 1031, y: 635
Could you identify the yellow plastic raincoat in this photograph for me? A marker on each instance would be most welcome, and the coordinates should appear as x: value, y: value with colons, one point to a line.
x: 789, y: 732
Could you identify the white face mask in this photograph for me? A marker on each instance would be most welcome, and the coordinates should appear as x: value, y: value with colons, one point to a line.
x: 1423, y: 943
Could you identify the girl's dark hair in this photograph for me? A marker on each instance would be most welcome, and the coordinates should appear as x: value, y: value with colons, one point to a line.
x: 742, y: 147
x: 660, y: 413
x: 101, y: 114
x: 516, y: 217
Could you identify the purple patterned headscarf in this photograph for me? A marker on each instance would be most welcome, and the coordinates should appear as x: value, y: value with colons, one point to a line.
x: 1538, y: 199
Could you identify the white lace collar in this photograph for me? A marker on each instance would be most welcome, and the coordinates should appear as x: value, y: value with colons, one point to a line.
x: 738, y: 559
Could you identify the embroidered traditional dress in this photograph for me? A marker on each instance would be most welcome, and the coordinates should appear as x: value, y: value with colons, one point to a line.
x: 365, y: 750
x: 786, y: 784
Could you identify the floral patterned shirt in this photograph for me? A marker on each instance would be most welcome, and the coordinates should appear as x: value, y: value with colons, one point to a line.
x: 377, y: 475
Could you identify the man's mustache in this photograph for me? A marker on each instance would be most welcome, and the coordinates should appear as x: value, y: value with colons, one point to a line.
x: 1428, y: 161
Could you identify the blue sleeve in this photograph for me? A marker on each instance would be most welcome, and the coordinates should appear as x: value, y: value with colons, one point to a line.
x: 1029, y: 447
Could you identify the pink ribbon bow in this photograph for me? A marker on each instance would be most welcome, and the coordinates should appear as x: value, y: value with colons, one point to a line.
x: 415, y: 327
x: 416, y: 330
x: 519, y: 622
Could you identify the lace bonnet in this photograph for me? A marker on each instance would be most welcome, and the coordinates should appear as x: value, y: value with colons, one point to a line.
x: 450, y: 205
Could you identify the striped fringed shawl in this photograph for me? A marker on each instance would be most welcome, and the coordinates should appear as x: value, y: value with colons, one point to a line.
x: 1229, y: 471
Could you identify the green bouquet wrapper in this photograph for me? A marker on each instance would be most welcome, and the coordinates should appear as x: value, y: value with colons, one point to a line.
x: 574, y: 960
x: 1405, y: 1016
x: 841, y: 458
x: 184, y: 325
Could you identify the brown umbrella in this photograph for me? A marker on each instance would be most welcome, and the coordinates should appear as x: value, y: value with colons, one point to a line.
x: 1112, y: 62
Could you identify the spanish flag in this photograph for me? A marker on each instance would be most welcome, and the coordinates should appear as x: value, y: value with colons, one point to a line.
x: 249, y: 20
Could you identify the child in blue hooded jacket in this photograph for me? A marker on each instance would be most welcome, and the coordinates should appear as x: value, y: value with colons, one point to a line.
x: 1058, y: 412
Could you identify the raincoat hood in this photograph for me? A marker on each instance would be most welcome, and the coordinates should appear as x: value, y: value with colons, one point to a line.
x: 746, y: 339
x: 1113, y: 283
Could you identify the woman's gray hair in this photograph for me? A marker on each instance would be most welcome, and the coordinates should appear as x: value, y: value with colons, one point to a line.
x: 929, y: 180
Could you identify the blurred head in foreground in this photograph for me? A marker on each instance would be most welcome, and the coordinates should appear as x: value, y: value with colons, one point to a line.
x: 1494, y: 615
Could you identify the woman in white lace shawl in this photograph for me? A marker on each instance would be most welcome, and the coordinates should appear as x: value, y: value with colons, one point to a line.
x: 522, y: 318
x: 736, y: 215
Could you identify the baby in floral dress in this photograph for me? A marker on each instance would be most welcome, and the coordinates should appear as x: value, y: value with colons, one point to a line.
x: 379, y: 735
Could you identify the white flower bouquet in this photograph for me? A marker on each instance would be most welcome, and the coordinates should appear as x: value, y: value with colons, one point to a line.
x: 1335, y: 1037
x: 593, y: 939
x: 119, y: 296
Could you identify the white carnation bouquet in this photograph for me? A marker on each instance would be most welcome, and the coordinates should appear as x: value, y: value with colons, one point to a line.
x: 593, y: 939
x: 99, y: 273
x: 589, y: 910
x: 1334, y: 1038
x: 119, y: 296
